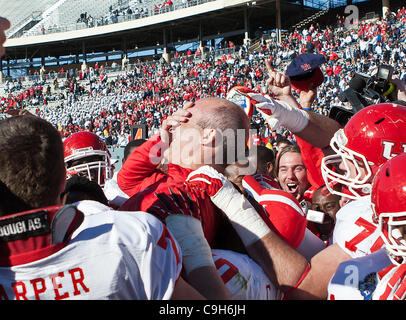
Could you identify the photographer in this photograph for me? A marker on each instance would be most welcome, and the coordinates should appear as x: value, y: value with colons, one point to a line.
x: 365, y: 90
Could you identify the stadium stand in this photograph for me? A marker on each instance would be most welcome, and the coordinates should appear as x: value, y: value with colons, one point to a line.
x: 67, y: 15
x: 109, y: 97
x: 22, y: 15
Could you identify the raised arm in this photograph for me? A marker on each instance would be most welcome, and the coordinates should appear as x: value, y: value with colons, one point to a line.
x: 310, y: 126
x: 140, y: 170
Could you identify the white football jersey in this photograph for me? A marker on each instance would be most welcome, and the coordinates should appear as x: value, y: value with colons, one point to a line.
x: 111, y: 255
x: 243, y: 277
x: 354, y: 231
x: 113, y: 193
x: 357, y: 279
x: 391, y: 284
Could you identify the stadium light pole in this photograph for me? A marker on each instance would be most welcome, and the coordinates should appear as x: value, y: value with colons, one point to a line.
x: 278, y: 20
x: 246, y: 23
x: 385, y: 7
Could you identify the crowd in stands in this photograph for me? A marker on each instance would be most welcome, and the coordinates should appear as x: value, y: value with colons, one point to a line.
x: 131, y: 10
x: 118, y: 12
x: 147, y: 92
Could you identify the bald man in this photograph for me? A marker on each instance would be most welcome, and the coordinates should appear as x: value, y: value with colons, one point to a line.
x: 212, y: 131
x: 201, y: 133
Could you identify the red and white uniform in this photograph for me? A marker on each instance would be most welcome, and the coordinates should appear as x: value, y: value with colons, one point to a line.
x: 113, y: 193
x: 243, y: 277
x: 285, y: 216
x: 110, y: 255
x: 354, y: 231
x: 141, y: 179
x: 391, y: 284
x: 357, y: 279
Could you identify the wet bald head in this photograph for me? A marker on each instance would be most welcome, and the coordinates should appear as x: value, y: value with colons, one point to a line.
x: 219, y: 114
x: 230, y: 122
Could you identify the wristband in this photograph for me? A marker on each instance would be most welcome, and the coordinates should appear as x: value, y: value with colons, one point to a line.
x: 304, y: 274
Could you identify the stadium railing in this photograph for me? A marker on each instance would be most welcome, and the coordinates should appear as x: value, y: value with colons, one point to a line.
x: 106, y: 19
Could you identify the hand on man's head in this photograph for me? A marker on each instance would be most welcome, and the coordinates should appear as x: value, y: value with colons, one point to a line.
x: 172, y: 122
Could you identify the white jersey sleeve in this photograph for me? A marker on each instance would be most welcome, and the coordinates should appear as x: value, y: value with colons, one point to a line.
x: 111, y: 255
x: 354, y: 231
x: 391, y: 284
x: 357, y: 279
x: 243, y: 277
x: 113, y: 193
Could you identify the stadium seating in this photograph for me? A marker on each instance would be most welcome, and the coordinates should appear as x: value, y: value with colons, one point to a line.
x: 20, y: 14
x: 66, y: 15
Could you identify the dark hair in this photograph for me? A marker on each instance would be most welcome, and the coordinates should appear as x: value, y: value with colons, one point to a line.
x: 80, y: 188
x: 264, y: 157
x: 265, y: 154
x: 130, y: 146
x: 10, y: 203
x: 281, y: 139
x: 32, y: 164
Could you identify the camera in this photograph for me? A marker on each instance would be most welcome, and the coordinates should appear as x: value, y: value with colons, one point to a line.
x: 363, y: 91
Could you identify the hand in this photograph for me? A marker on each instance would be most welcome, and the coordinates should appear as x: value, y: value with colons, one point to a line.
x: 206, y: 179
x: 278, y: 83
x: 176, y: 202
x: 174, y: 121
x: 180, y: 212
x: 307, y: 97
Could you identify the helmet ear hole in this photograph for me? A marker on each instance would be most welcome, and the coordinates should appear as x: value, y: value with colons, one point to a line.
x: 379, y: 121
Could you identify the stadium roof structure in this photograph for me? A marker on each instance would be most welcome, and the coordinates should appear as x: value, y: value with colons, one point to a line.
x: 208, y: 19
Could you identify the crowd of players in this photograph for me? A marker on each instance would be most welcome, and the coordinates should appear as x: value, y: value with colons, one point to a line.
x: 191, y: 214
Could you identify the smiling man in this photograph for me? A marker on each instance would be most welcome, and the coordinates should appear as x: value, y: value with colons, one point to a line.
x: 291, y: 172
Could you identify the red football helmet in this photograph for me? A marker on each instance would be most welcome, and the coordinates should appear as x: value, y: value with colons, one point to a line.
x: 388, y: 199
x: 372, y: 136
x: 87, y: 154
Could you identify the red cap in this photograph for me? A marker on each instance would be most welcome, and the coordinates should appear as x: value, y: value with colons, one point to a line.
x: 314, y: 81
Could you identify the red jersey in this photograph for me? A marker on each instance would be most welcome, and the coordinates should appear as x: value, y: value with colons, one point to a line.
x: 140, y: 178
